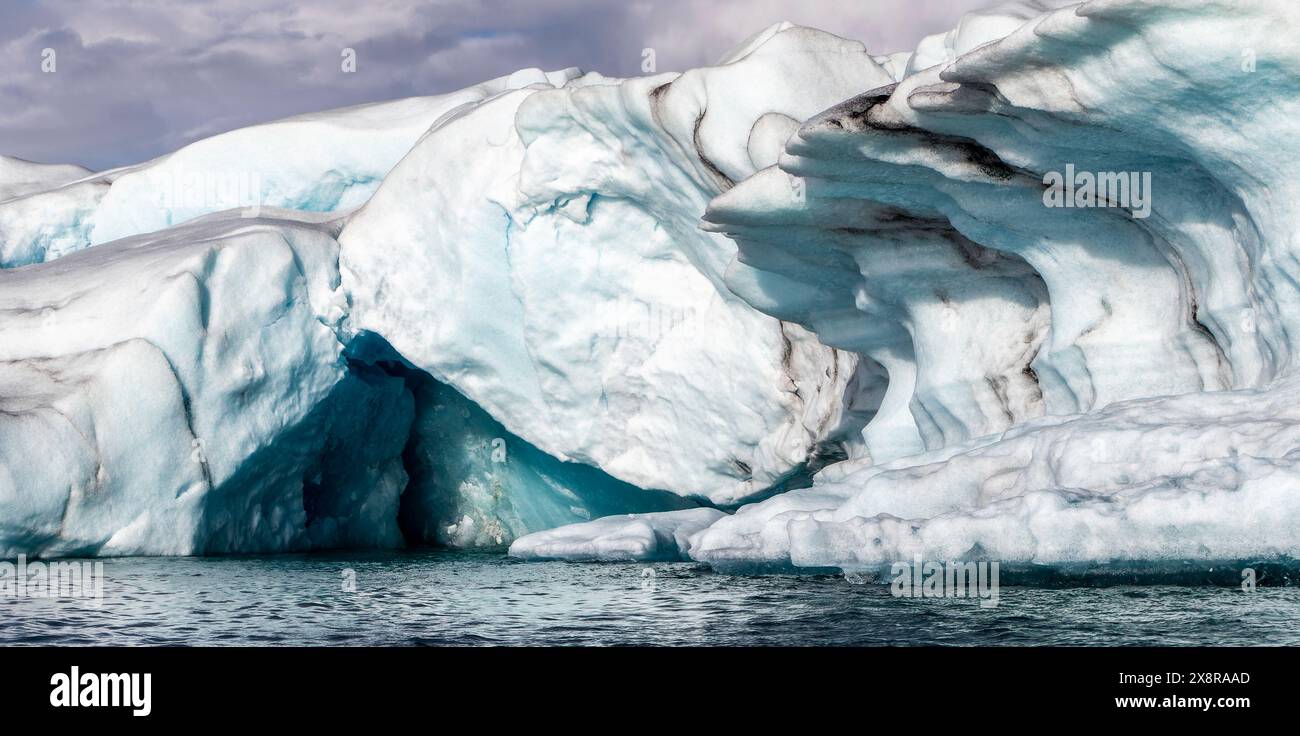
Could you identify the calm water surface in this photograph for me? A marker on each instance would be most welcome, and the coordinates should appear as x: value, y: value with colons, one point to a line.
x: 485, y: 598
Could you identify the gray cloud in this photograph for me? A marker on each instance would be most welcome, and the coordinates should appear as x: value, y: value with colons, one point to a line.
x: 138, y: 78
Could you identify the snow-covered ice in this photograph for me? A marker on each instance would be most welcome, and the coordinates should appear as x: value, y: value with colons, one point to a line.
x: 18, y: 178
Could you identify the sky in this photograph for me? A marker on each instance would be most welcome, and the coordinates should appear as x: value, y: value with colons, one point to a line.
x: 105, y: 83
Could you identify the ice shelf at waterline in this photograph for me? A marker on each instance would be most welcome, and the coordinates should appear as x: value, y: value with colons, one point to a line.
x: 669, y: 301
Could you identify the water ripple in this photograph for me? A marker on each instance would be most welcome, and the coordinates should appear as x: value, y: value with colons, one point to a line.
x: 441, y: 598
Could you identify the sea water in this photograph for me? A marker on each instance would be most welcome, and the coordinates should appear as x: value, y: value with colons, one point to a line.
x: 440, y: 597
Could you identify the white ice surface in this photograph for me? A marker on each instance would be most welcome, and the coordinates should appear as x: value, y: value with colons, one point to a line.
x: 173, y: 394
x: 329, y: 161
x: 18, y: 178
x: 631, y: 537
x: 1210, y: 476
x: 541, y: 253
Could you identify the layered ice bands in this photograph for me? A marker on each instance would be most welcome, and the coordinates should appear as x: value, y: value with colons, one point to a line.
x: 902, y: 288
x: 1156, y: 306
x: 1198, y: 294
x: 541, y: 253
x: 328, y: 161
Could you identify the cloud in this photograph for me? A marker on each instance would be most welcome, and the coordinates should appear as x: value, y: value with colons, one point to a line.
x: 136, y: 79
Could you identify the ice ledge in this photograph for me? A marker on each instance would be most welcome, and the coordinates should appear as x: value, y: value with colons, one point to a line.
x: 664, y: 536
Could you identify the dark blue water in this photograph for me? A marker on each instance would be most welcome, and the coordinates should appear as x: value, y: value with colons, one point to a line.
x: 485, y: 598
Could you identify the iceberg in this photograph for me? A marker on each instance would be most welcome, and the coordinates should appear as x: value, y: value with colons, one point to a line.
x: 1024, y: 293
x: 1165, y: 430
